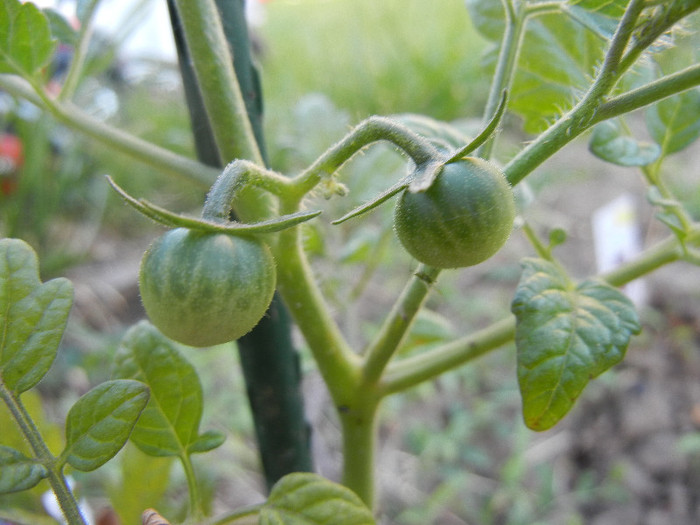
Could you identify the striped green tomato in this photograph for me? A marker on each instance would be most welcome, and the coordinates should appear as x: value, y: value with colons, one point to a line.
x: 462, y: 219
x: 203, y: 288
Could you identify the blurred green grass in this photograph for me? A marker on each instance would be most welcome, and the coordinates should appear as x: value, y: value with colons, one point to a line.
x: 373, y: 57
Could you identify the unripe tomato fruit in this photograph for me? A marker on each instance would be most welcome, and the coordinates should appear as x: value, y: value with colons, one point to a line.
x: 203, y: 289
x: 463, y: 219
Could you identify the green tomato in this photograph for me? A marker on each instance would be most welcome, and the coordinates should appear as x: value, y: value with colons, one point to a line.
x: 463, y: 219
x: 203, y: 289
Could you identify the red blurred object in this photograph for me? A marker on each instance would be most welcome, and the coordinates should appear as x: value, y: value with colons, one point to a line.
x: 11, y: 160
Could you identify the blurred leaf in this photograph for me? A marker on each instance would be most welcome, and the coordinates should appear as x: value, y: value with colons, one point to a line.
x: 565, y: 336
x: 33, y: 316
x: 143, y: 482
x: 169, y: 424
x: 610, y: 143
x: 207, y: 441
x: 611, y: 8
x: 557, y: 236
x: 674, y: 122
x: 51, y: 432
x: 428, y: 327
x: 309, y: 499
x: 25, y: 38
x: 488, y: 18
x: 100, y: 422
x: 359, y: 247
x: 601, y: 25
x: 61, y: 28
x: 442, y: 135
x: 83, y: 9
x: 18, y: 472
x: 670, y: 211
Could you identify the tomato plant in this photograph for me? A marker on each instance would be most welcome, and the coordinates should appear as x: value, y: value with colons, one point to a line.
x: 210, y: 279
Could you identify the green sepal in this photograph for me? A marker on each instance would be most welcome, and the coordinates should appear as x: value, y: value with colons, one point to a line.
x: 33, y: 316
x: 169, y: 425
x: 100, y: 422
x: 173, y: 220
x: 565, y: 335
x: 309, y: 499
x: 18, y: 472
x: 424, y: 174
x: 379, y: 199
x: 485, y: 134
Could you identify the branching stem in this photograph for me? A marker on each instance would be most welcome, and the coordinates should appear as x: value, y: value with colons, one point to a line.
x: 58, y: 482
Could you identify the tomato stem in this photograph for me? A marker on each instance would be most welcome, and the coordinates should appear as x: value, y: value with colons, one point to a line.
x: 411, y: 371
x: 397, y: 323
x: 54, y: 468
x: 373, y: 129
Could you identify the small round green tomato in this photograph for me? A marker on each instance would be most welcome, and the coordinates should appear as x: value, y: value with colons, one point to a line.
x: 203, y: 289
x: 461, y: 220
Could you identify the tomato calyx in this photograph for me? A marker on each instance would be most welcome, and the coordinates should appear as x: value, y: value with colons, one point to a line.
x: 422, y: 177
x: 173, y: 220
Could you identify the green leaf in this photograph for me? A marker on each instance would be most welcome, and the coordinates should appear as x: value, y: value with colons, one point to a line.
x: 140, y: 481
x: 33, y: 316
x: 309, y: 499
x: 207, y: 441
x: 488, y: 18
x: 25, y: 38
x: 61, y: 28
x: 18, y: 472
x: 599, y: 24
x: 99, y: 423
x: 543, y: 89
x: 673, y: 122
x: 169, y: 424
x: 610, y: 143
x: 610, y: 8
x: 565, y: 335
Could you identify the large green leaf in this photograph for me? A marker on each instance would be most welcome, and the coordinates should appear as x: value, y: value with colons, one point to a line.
x: 169, y: 425
x: 26, y: 44
x: 18, y: 472
x: 558, y: 58
x: 309, y: 499
x: 674, y: 122
x: 544, y: 88
x: 33, y: 316
x: 611, y: 143
x: 99, y: 423
x: 565, y: 335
